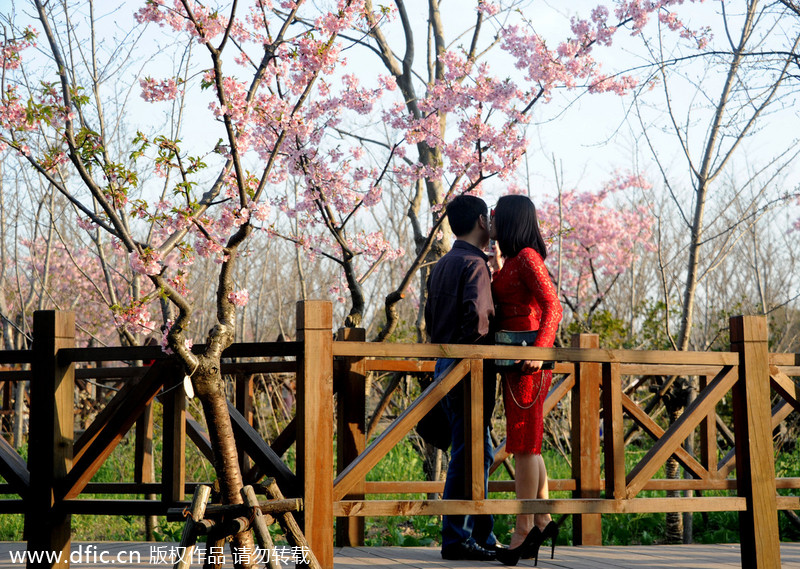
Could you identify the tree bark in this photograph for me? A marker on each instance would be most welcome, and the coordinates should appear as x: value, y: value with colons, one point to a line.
x: 210, y: 389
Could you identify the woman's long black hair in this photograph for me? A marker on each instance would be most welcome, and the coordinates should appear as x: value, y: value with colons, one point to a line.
x: 517, y: 226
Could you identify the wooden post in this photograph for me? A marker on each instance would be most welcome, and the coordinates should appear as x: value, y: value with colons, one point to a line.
x: 19, y: 411
x: 173, y: 469
x: 144, y: 468
x: 586, y: 528
x: 613, y: 433
x: 473, y: 431
x: 5, y: 430
x: 189, y: 536
x: 291, y: 530
x: 708, y: 436
x: 51, y: 431
x: 755, y: 455
x: 260, y: 526
x: 351, y: 432
x: 244, y: 404
x: 315, y: 424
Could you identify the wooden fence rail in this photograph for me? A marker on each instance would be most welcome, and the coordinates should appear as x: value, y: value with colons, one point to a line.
x: 329, y: 431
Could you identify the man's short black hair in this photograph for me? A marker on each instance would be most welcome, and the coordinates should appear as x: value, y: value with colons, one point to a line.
x: 463, y: 213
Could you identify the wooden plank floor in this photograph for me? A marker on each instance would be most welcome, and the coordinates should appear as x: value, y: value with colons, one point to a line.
x: 632, y: 557
x: 635, y: 557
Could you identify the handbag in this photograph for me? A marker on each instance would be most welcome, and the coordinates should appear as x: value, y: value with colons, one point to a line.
x: 434, y: 427
x: 512, y: 338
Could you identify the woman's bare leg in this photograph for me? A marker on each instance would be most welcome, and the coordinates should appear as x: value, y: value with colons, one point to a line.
x: 526, y: 484
x: 542, y: 490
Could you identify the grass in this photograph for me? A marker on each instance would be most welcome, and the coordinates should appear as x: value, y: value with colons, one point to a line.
x: 402, y: 463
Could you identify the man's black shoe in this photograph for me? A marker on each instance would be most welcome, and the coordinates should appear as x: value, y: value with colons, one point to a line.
x: 467, y: 551
x: 494, y: 546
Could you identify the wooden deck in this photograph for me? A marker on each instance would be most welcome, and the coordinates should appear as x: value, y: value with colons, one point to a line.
x: 724, y: 556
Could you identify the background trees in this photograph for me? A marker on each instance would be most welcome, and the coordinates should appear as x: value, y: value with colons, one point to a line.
x: 430, y: 75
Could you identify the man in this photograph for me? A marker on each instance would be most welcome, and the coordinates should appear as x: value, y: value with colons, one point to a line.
x: 459, y: 311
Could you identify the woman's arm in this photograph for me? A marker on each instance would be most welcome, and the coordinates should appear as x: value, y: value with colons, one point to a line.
x: 535, y: 276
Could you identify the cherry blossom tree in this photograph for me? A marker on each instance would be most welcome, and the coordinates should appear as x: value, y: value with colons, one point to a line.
x: 274, y: 113
x: 279, y: 104
x: 491, y: 111
x: 594, y: 241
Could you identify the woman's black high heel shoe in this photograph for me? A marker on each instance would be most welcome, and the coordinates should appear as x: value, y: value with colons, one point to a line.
x: 550, y: 531
x: 528, y: 548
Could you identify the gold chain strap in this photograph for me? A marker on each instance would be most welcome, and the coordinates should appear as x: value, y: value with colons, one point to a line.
x: 538, y: 393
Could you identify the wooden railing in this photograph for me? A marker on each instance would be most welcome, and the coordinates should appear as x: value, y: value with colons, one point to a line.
x: 594, y: 376
x: 60, y: 466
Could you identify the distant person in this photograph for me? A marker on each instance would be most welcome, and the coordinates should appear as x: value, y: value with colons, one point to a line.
x: 526, y: 301
x: 459, y: 310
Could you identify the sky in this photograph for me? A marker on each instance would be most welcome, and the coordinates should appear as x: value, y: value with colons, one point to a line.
x: 585, y: 138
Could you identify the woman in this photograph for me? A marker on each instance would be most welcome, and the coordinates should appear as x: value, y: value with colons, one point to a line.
x: 525, y: 299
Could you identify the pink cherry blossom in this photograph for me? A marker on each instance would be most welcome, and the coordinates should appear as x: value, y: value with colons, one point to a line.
x: 337, y: 292
x: 73, y: 271
x: 488, y: 8
x: 261, y: 211
x: 600, y: 240
x: 12, y: 112
x: 239, y: 297
x: 135, y: 318
x: 11, y: 48
x: 146, y: 263
x: 178, y: 282
x: 165, y: 330
x: 86, y: 224
x: 153, y: 91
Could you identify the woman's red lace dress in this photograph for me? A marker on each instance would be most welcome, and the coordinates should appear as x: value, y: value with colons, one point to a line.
x: 526, y: 299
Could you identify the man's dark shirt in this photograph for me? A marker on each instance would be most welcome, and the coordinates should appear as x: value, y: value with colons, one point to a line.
x: 460, y: 307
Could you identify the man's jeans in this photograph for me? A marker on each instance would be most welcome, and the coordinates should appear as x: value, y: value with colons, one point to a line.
x: 460, y: 528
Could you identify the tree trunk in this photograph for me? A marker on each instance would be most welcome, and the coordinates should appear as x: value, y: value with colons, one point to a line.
x: 675, y: 402
x: 433, y: 463
x: 702, y: 179
x: 688, y: 517
x: 674, y: 519
x: 210, y: 389
x: 19, y: 411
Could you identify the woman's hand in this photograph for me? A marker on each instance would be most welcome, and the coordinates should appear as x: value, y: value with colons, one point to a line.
x: 495, y: 257
x: 531, y: 366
